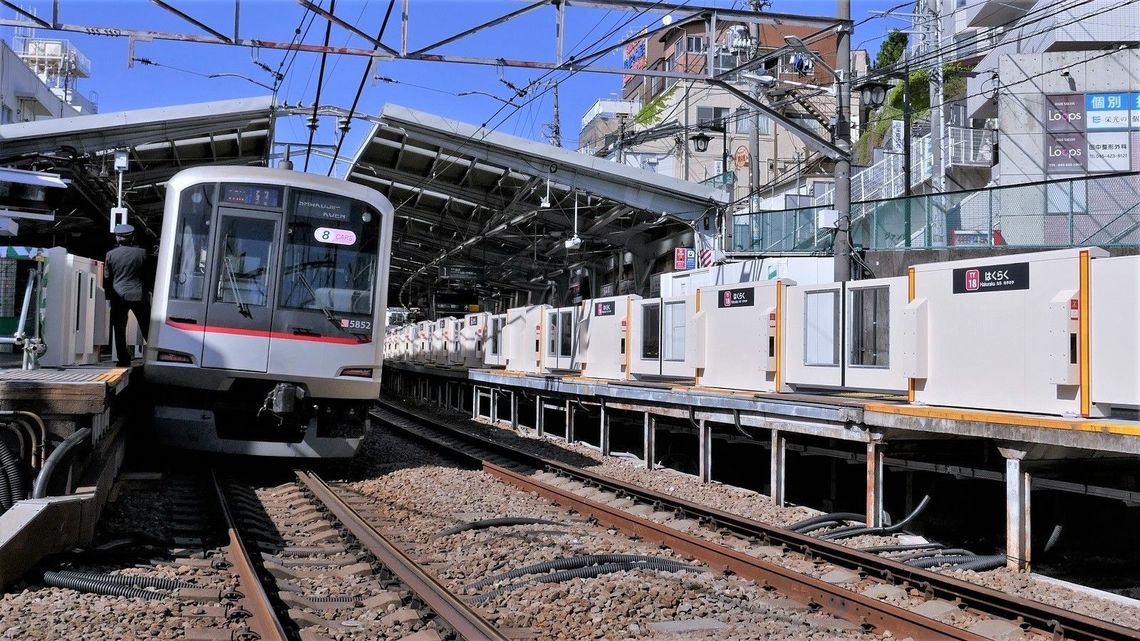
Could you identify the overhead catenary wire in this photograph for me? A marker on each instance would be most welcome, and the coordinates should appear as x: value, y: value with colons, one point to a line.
x: 320, y: 85
x: 360, y: 86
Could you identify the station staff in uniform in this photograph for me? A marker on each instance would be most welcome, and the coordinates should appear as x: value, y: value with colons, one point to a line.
x: 127, y: 278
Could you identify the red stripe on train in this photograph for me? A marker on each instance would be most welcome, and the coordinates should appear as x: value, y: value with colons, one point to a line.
x: 260, y: 333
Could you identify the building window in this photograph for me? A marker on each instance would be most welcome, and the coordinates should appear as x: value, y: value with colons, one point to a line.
x: 765, y: 125
x: 696, y: 44
x: 708, y: 116
x: 679, y: 48
x: 723, y: 62
x: 743, y: 120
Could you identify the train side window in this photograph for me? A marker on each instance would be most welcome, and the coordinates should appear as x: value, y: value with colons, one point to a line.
x: 651, y: 331
x: 870, y: 327
x: 821, y: 328
x: 191, y: 243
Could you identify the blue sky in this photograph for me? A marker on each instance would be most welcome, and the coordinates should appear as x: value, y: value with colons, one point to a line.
x: 181, y: 70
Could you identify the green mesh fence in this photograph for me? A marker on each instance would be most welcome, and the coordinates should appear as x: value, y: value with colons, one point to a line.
x: 1099, y: 210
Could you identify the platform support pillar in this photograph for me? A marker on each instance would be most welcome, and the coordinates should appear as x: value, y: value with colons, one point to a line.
x: 604, y: 431
x: 778, y: 467
x: 569, y: 421
x: 875, y: 449
x: 704, y: 448
x: 494, y: 405
x: 514, y: 411
x: 474, y: 402
x: 1018, y: 484
x: 539, y: 416
x: 649, y: 444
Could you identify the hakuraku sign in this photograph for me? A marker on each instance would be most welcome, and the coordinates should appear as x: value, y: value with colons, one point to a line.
x: 744, y: 297
x: 991, y: 278
x: 604, y: 309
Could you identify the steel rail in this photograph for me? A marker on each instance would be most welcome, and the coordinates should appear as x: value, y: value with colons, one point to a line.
x: 466, y: 622
x: 1061, y: 624
x: 264, y: 620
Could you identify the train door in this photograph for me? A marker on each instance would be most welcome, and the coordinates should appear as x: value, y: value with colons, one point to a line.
x: 239, y: 308
x: 560, y: 331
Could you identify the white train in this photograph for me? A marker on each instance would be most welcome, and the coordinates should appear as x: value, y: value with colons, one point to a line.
x: 268, y: 318
x: 1052, y: 333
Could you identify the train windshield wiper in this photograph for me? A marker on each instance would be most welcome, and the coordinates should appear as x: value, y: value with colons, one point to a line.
x: 243, y: 308
x: 327, y: 312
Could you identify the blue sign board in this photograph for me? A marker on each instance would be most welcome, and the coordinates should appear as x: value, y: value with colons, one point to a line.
x: 1107, y: 110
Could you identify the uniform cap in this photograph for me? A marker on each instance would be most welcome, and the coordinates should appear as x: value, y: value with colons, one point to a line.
x: 124, y: 230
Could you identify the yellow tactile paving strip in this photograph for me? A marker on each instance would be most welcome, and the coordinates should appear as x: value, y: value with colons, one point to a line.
x: 999, y: 418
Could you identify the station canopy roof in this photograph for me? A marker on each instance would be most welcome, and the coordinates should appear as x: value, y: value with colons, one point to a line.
x: 482, y: 204
x: 160, y: 142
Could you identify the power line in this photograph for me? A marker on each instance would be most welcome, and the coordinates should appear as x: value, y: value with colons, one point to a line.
x: 320, y: 83
x: 360, y: 87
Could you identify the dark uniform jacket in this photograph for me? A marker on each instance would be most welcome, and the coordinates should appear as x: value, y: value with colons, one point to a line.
x: 126, y: 273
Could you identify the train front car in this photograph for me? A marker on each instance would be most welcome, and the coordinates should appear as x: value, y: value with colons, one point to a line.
x: 267, y: 328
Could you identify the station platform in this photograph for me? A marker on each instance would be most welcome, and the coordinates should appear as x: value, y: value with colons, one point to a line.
x: 68, y: 425
x: 1023, y: 452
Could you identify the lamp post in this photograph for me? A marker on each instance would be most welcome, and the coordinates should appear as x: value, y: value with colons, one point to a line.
x: 701, y: 141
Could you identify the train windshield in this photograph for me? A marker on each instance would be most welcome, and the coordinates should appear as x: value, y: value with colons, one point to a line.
x: 330, y: 258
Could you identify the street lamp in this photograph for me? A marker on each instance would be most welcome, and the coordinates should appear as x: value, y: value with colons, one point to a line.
x: 701, y: 140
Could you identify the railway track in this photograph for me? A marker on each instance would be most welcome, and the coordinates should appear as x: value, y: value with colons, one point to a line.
x: 937, y: 594
x: 330, y: 572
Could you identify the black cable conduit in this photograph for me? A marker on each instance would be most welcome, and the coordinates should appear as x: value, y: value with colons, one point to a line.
x: 569, y: 563
x: 845, y: 533
x: 935, y: 561
x: 84, y: 584
x: 11, y: 485
x: 833, y: 516
x: 498, y: 522
x: 938, y: 552
x: 123, y: 579
x: 878, y: 549
x: 587, y: 573
x: 58, y: 454
x: 982, y: 563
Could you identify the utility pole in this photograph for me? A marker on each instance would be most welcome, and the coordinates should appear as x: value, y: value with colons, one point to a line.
x: 685, y: 134
x: 556, y: 128
x: 842, y: 138
x: 937, y: 226
x: 754, y: 137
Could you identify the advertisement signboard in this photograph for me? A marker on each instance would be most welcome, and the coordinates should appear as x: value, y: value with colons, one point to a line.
x: 1065, y: 112
x: 1065, y: 153
x: 1106, y: 111
x: 1108, y: 151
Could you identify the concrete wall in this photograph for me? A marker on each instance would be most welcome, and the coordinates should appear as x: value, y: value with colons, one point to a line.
x: 1021, y: 106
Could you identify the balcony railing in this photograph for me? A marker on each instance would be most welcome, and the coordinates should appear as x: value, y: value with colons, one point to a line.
x: 1094, y: 210
x: 886, y: 178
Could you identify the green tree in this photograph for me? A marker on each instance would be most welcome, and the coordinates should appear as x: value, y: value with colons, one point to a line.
x: 891, y: 49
